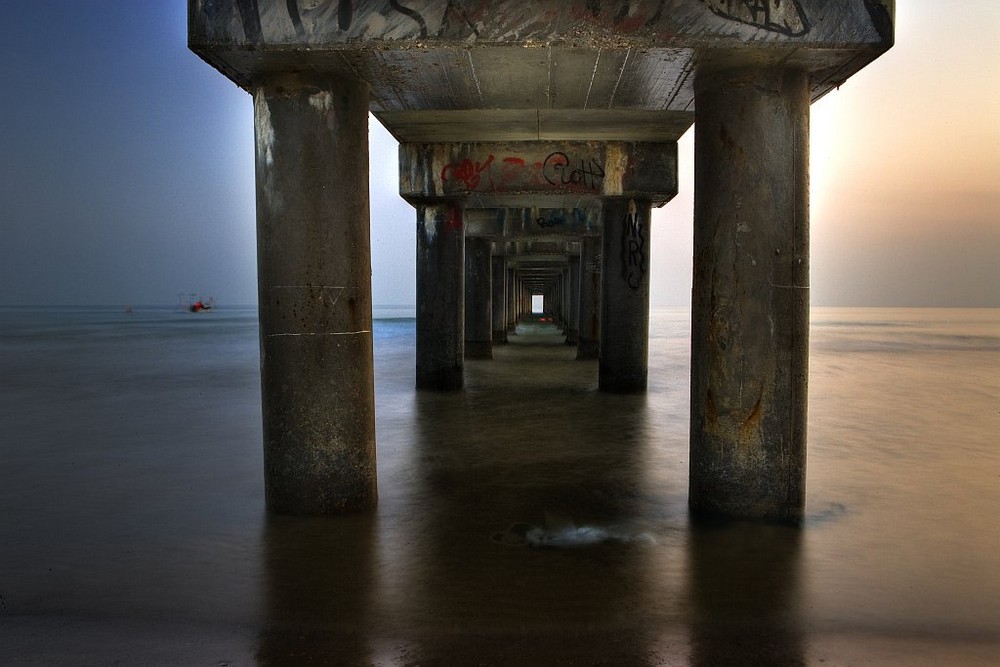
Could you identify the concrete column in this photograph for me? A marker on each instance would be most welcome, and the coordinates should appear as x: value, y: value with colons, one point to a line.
x: 314, y: 282
x: 512, y: 296
x: 553, y: 300
x: 589, y: 319
x: 625, y: 297
x: 478, y: 299
x: 440, y: 296
x: 750, y: 294
x: 572, y: 299
x: 499, y: 308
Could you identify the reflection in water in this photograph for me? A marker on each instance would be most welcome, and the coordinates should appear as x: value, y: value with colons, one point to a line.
x: 743, y: 585
x: 520, y: 447
x: 522, y: 522
x: 132, y: 471
x: 318, y: 583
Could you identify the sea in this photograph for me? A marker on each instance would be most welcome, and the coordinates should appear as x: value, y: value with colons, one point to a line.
x: 527, y: 520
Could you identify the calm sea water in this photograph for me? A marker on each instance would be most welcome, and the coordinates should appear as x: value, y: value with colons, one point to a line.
x: 528, y: 520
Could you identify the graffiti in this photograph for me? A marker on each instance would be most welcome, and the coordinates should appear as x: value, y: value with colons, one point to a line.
x: 513, y: 173
x: 556, y: 170
x: 633, y: 248
x: 551, y: 221
x: 466, y: 171
x: 412, y: 14
x: 301, y: 14
x: 781, y: 16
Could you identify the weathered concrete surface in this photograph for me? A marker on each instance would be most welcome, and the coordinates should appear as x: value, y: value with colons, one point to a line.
x: 625, y: 296
x: 478, y: 299
x: 314, y: 277
x: 567, y: 174
x: 440, y: 296
x: 750, y: 310
x: 441, y: 71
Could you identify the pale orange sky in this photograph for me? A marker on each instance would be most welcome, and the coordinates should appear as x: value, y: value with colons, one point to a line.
x: 905, y: 173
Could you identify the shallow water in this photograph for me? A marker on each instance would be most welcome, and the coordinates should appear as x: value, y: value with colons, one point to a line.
x: 134, y: 531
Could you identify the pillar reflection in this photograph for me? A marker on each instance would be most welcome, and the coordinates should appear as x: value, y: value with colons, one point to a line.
x: 492, y: 465
x: 319, y: 583
x: 743, y: 581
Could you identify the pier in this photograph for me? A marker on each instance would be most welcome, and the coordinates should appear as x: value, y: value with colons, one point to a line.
x: 535, y: 138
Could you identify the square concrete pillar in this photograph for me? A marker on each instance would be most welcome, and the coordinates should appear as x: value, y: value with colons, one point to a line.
x: 589, y: 315
x: 478, y: 301
x: 750, y: 295
x: 499, y: 305
x: 440, y: 296
x: 314, y: 275
x: 625, y: 296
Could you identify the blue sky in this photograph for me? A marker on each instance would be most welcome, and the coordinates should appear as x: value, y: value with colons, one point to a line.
x: 127, y: 175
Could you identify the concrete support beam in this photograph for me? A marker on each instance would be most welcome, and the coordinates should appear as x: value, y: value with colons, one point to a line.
x: 573, y: 174
x: 440, y: 296
x: 314, y: 280
x: 625, y: 296
x: 589, y: 320
x: 750, y: 301
x: 478, y: 299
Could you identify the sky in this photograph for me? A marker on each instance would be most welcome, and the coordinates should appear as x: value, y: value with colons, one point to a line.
x: 128, y: 174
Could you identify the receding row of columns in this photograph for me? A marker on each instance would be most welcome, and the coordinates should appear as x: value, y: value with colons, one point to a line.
x: 749, y: 294
x: 614, y: 310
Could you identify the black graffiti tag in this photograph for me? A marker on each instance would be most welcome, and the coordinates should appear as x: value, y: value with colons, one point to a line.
x: 633, y: 248
x: 557, y: 171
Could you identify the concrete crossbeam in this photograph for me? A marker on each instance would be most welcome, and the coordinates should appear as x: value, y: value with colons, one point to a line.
x: 533, y: 223
x: 570, y: 174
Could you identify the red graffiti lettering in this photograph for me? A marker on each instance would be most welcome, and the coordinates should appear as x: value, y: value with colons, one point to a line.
x: 466, y: 171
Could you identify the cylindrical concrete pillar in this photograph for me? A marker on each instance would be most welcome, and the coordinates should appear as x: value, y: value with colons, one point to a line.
x: 750, y: 294
x: 314, y: 284
x: 478, y: 298
x: 589, y: 317
x: 440, y: 296
x: 499, y: 306
x: 625, y: 297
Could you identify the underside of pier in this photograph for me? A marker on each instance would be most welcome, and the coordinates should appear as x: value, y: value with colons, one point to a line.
x: 535, y: 138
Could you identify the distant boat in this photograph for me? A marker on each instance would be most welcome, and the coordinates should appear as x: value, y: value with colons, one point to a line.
x: 196, y: 304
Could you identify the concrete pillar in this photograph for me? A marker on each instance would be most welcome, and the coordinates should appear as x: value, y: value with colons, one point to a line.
x: 440, y: 296
x: 314, y: 282
x: 589, y: 318
x: 499, y: 307
x: 553, y: 300
x: 512, y: 304
x: 572, y: 299
x: 750, y: 294
x: 478, y: 299
x: 625, y: 297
